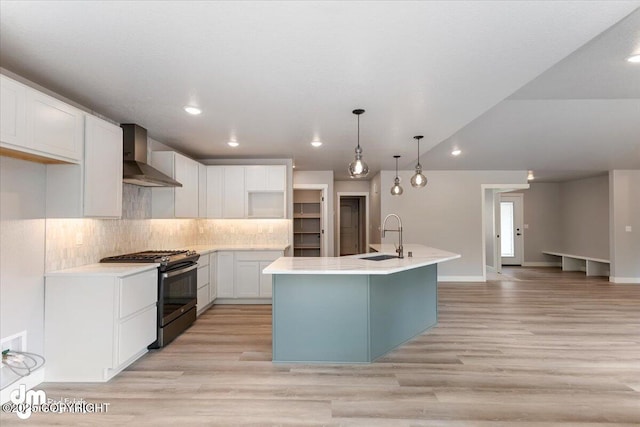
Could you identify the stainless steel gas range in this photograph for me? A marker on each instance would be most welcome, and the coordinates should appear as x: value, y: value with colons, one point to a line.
x: 177, y: 289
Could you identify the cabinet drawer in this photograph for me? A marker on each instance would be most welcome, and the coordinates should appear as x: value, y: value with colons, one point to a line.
x: 258, y: 255
x: 203, y: 276
x: 137, y: 333
x: 138, y: 292
x: 203, y: 297
x: 203, y: 260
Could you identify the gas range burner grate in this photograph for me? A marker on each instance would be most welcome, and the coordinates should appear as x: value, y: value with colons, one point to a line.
x: 149, y: 256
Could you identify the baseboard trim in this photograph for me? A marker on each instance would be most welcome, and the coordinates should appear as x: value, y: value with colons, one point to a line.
x: 231, y: 301
x: 461, y: 279
x: 30, y: 381
x: 541, y: 264
x: 625, y: 280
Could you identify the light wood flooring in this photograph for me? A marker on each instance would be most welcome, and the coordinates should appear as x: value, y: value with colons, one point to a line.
x: 534, y: 347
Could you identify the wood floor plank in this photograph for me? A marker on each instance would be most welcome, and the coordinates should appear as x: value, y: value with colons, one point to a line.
x: 532, y: 347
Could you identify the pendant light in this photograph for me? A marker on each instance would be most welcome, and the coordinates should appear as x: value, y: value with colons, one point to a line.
x: 358, y: 168
x: 396, y: 190
x: 418, y: 180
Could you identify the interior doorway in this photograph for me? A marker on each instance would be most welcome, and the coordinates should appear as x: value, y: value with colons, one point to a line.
x: 353, y: 236
x: 511, y: 229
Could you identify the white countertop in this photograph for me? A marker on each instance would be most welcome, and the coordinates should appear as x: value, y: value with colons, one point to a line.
x: 422, y: 256
x: 105, y: 269
x: 205, y: 249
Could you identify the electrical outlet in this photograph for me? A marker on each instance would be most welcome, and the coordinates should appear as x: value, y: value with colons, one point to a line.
x: 201, y: 230
x: 628, y: 229
x: 16, y: 342
x: 79, y: 238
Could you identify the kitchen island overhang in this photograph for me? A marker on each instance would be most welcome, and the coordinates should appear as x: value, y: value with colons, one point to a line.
x: 351, y: 310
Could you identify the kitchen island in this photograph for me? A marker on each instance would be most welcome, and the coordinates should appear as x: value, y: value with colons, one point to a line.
x: 352, y: 309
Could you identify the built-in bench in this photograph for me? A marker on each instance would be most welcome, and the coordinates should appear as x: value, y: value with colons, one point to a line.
x: 591, y: 266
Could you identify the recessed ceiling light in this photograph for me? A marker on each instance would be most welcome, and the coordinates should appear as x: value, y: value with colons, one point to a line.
x: 634, y: 58
x: 530, y: 176
x: 192, y: 110
x: 316, y: 143
x: 456, y: 152
x: 233, y: 144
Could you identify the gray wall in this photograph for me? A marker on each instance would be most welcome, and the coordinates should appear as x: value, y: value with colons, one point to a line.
x: 584, y: 215
x: 321, y: 177
x: 543, y: 216
x: 446, y: 214
x: 625, y: 212
x: 22, y: 250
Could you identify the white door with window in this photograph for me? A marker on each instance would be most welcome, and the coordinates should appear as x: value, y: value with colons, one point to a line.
x: 511, y: 229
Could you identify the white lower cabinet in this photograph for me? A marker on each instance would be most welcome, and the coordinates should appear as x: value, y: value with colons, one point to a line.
x: 97, y: 324
x: 203, y: 292
x: 240, y: 276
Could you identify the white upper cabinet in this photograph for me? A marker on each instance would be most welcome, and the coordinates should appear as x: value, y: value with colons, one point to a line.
x: 246, y: 191
x: 13, y: 116
x: 102, y: 168
x: 202, y: 191
x: 175, y: 202
x: 266, y: 178
x: 215, y: 175
x: 234, y: 191
x: 92, y: 188
x: 38, y: 125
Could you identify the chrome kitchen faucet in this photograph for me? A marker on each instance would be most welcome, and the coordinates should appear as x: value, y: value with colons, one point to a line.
x: 398, y: 230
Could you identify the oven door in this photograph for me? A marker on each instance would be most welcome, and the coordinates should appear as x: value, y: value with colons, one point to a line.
x: 178, y: 292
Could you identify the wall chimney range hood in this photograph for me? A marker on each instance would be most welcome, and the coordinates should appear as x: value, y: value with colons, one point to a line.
x: 135, y: 169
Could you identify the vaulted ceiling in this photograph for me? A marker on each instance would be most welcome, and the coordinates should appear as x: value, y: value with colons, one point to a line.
x: 534, y: 85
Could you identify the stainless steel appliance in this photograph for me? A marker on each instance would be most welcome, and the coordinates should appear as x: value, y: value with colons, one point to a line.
x: 177, y: 289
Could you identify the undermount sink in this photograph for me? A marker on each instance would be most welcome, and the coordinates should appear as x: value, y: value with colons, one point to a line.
x: 379, y: 257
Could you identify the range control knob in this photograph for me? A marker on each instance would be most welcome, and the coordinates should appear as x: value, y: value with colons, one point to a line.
x: 164, y: 259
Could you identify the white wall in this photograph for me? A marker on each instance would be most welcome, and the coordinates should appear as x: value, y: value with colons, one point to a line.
x: 22, y: 249
x: 625, y: 212
x: 321, y: 177
x: 446, y: 214
x: 584, y: 205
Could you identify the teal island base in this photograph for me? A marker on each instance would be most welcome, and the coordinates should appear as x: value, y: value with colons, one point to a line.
x: 350, y: 318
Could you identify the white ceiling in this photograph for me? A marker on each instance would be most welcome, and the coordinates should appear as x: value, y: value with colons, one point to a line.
x: 517, y: 85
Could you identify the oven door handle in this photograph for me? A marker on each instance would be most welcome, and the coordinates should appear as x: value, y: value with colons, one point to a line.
x: 181, y: 271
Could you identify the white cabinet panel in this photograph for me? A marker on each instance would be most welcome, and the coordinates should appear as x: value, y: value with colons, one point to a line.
x: 102, y: 169
x: 234, y: 192
x: 141, y: 328
x: 178, y: 202
x: 53, y: 127
x: 213, y: 276
x: 215, y: 191
x: 138, y: 291
x: 202, y: 191
x: 266, y: 178
x: 225, y: 268
x: 203, y: 298
x: 265, y: 280
x: 12, y: 111
x: 247, y: 279
x: 92, y: 188
x: 186, y: 201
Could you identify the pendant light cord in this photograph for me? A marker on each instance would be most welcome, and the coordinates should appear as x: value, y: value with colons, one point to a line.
x: 358, y: 130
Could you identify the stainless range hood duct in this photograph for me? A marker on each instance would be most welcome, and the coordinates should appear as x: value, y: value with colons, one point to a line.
x: 135, y: 169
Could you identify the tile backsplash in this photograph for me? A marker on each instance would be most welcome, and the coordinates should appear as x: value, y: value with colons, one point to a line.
x: 75, y: 242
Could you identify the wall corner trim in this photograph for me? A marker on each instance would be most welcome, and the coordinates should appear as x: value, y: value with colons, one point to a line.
x: 625, y: 280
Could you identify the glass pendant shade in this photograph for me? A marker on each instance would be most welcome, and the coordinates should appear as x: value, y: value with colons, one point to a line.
x: 418, y: 180
x: 358, y: 168
x: 396, y: 190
